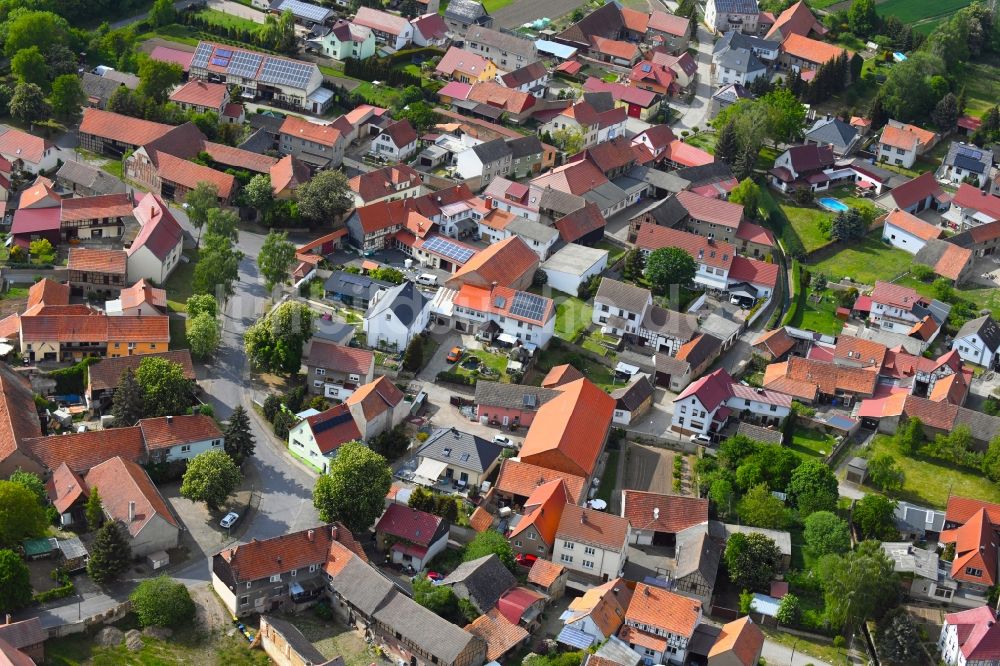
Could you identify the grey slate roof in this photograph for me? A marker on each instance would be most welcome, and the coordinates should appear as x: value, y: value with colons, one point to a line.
x: 622, y: 295
x: 524, y: 146
x: 705, y: 347
x: 501, y: 40
x: 532, y: 230
x: 987, y: 329
x: 698, y: 552
x: 560, y: 202
x: 680, y: 325
x: 405, y: 301
x: 734, y: 39
x: 430, y: 632
x: 757, y: 433
x: 485, y: 578
x: 968, y: 157
x: 632, y: 396
x: 467, y: 11
x: 512, y: 396
x: 918, y: 519
x: 354, y: 285
x: 834, y: 132
x: 99, y: 87
x: 85, y: 175
x: 362, y: 586
x: 669, y: 213
x: 742, y: 61
x: 461, y: 449
x: 731, y: 93
x: 297, y: 641
x: 492, y: 151
x: 983, y: 426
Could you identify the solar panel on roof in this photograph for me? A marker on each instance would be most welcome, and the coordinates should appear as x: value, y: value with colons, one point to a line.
x: 225, y: 53
x: 528, y: 306
x: 286, y: 72
x: 201, y: 55
x: 220, y: 62
x: 447, y: 248
x: 245, y: 64
x: 305, y: 10
x: 647, y: 68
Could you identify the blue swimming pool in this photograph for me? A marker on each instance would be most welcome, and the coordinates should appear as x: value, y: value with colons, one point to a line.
x: 836, y: 205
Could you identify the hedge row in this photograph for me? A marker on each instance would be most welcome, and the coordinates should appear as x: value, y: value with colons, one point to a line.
x: 456, y: 378
x: 796, y: 293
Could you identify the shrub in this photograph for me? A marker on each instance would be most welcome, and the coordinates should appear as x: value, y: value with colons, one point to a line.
x: 160, y: 602
x: 272, y: 404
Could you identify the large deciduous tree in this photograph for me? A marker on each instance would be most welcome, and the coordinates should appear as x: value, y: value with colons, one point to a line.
x: 325, y: 198
x: 156, y: 78
x: 28, y: 103
x: 752, y: 560
x: 353, y: 489
x: 275, y: 342
x: 203, y: 335
x: 165, y: 389
x: 15, y: 582
x: 490, y: 542
x: 162, y: 602
x: 825, y: 533
x: 875, y: 517
x: 67, y: 95
x: 21, y: 515
x: 275, y: 259
x: 28, y: 66
x: 760, y: 508
x: 858, y: 585
x: 669, y: 266
x: 211, y: 477
x: 813, y: 488
x: 203, y: 198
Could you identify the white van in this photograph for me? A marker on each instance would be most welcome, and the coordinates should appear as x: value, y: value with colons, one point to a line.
x: 427, y: 279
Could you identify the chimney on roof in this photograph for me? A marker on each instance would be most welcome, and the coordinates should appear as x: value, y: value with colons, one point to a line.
x: 656, y: 513
x: 170, y: 419
x: 311, y: 535
x: 334, y: 532
x: 645, y: 590
x: 583, y: 518
x: 8, y: 619
x: 131, y: 511
x: 278, y: 558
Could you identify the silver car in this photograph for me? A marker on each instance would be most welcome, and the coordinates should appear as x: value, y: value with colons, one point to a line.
x: 229, y: 520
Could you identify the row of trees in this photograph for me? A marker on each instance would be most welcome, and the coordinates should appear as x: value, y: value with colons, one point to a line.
x: 743, y: 127
x: 276, y: 34
x: 322, y: 200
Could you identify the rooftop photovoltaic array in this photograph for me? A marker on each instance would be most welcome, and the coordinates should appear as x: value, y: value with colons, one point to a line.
x: 528, y: 306
x: 201, y: 55
x: 447, y: 248
x: 248, y: 65
x: 286, y: 72
x: 305, y: 10
x: 245, y: 64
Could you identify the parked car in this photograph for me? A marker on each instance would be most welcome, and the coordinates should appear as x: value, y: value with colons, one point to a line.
x: 525, y: 560
x: 229, y: 520
x: 433, y: 576
x: 454, y: 355
x: 504, y: 441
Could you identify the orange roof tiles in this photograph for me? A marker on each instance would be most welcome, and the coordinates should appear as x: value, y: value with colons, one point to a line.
x: 860, y: 351
x: 975, y: 549
x: 339, y: 429
x: 899, y: 137
x: 462, y: 61
x: 28, y: 147
x: 325, y: 135
x: 84, y: 450
x: 201, y: 93
x: 742, y: 638
x: 896, y: 295
x: 591, y: 527
x: 953, y: 261
x: 961, y: 509
x: 505, y: 263
x: 561, y: 374
x: 811, y: 50
x: 912, y: 225
x: 125, y: 487
x: 543, y: 573
x: 385, y: 181
x: 669, y: 23
x: 65, y: 488
x: 656, y: 607
x: 288, y: 173
x: 568, y: 432
x: 542, y: 510
x: 116, y: 127
x: 777, y: 342
x: 48, y: 292
x: 521, y: 478
x: 605, y: 605
x: 499, y: 633
x: 41, y: 191
x: 830, y: 378
x: 18, y: 414
x: 708, y: 209
x: 92, y: 208
x: 635, y: 20
x: 663, y: 513
x: 262, y: 559
x: 143, y: 292
x: 97, y: 261
x: 376, y: 397
x: 138, y: 329
x: 168, y: 431
x: 494, y: 94
x: 481, y: 519
x: 717, y: 254
x: 190, y: 174
x: 614, y: 48
x: 796, y: 20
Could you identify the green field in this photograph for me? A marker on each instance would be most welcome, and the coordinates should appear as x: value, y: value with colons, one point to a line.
x: 982, y: 86
x: 572, y: 315
x: 930, y: 482
x: 810, y: 443
x: 914, y: 12
x: 704, y: 140
x: 866, y: 261
x: 805, y: 222
x: 817, y: 316
x: 493, y: 5
x: 225, y: 20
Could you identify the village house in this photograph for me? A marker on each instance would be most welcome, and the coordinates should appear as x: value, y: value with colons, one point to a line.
x: 966, y: 162
x: 318, y: 145
x: 970, y: 637
x: 396, y: 181
x: 201, y: 97
x: 396, y: 315
x: 463, y: 14
x: 156, y: 251
x: 377, y: 407
x: 344, y: 40
x: 705, y: 406
x: 508, y: 51
x: 91, y: 270
x: 726, y: 15
x: 978, y: 342
x: 901, y: 144
x: 538, y: 520
x: 591, y: 544
x: 316, y: 439
x: 411, y: 537
x: 502, y: 404
x: 659, y: 624
x: 336, y: 370
x: 481, y: 581
x: 182, y: 437
x: 456, y: 458
x: 397, y: 142
x: 391, y: 30
x: 596, y: 616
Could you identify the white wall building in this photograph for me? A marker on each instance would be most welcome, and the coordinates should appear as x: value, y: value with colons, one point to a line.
x: 573, y: 265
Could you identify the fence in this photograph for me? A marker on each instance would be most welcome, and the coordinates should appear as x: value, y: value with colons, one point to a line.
x: 678, y: 444
x: 107, y: 617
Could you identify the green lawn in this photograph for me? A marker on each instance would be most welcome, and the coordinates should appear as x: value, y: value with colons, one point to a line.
x: 805, y: 221
x: 493, y: 5
x: 819, y: 317
x: 982, y: 85
x: 866, y: 261
x: 381, y: 95
x: 609, y: 477
x: 178, y: 285
x: 930, y: 482
x: 225, y: 20
x: 14, y: 293
x: 810, y: 646
x: 810, y: 443
x: 912, y: 12
x: 572, y: 316
x: 174, y: 32
x: 704, y: 140
x: 614, y: 251
x: 496, y: 362
x: 114, y: 167
x: 598, y: 373
x: 985, y: 298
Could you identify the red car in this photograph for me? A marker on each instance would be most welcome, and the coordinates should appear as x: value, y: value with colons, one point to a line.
x: 435, y: 576
x: 525, y: 560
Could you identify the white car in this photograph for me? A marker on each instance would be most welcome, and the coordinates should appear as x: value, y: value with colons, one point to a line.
x: 229, y: 520
x: 504, y: 441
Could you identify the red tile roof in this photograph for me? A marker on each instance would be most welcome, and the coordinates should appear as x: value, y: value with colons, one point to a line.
x: 97, y: 261
x: 381, y: 21
x: 830, y: 378
x: 754, y: 271
x: 239, y: 158
x: 561, y: 374
x: 712, y: 390
x: 169, y: 431
x: 160, y: 232
x: 65, y: 488
x: 35, y: 220
x: 522, y: 478
x: 504, y: 263
x: 543, y: 573
x: 403, y: 522
x: 656, y: 607
x: 669, y: 23
x: 569, y: 430
x: 116, y: 127
x: 859, y: 351
x: 106, y: 373
x: 918, y: 189
x: 265, y: 558
x: 663, y: 513
x: 288, y: 173
x: 84, y: 450
x: 500, y: 634
x: 333, y: 428
x: 401, y: 133
x: 143, y: 292
x: 777, y: 342
x: 384, y: 182
x: 22, y: 145
x: 811, y: 50
x: 325, y: 135
x: 125, y: 486
x: 48, y: 292
x: 975, y: 549
x: 717, y: 254
x: 201, y: 93
x: 742, y: 638
x: 754, y: 233
x: 18, y: 414
x: 92, y: 208
x: 896, y: 295
x: 714, y: 211
x: 462, y: 61
x: 515, y: 602
x: 580, y: 222
x: 614, y: 48
x: 621, y: 92
x: 508, y: 99
x: 661, y: 75
x: 970, y: 196
x: 376, y: 397
x: 978, y: 633
x: 899, y: 137
x: 951, y: 264
x: 542, y: 510
x: 174, y: 55
x: 796, y: 20
x: 190, y: 174
x: 961, y: 509
x: 912, y: 225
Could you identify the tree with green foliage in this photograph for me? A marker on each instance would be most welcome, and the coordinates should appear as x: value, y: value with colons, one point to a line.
x: 165, y: 389
x: 353, y: 490
x: 162, y: 602
x: 202, y: 303
x: 41, y: 251
x: 727, y: 145
x: 157, y: 78
x: 394, y: 275
x: 421, y: 115
x: 28, y: 66
x: 722, y: 494
x: 67, y: 95
x: 421, y: 499
x: 946, y: 112
x: 634, y: 265
x: 898, y: 639
x: 110, y: 553
x: 848, y: 225
x: 94, y: 509
x: 825, y: 533
x: 884, y: 472
x: 278, y: 33
x: 789, y: 610
x: 126, y: 102
x: 203, y: 335
x: 162, y: 13
x: 569, y: 140
x: 28, y: 103
x: 275, y: 259
x: 25, y: 29
x: 863, y: 19
x: 15, y: 582
x: 439, y: 599
x: 490, y: 542
x: 909, y: 436
x: 21, y: 515
x: 272, y: 405
x: 413, y: 359
x: 748, y: 194
x: 813, y: 488
x: 759, y: 508
x: 240, y: 443
x: 259, y: 193
x: 745, y: 162
x: 127, y: 403
x: 326, y: 197
x: 669, y: 266
x: 31, y: 482
x: 218, y: 267
x: 275, y: 342
x: 875, y: 517
x: 751, y: 560
x: 858, y: 585
x: 211, y: 477
x: 203, y: 198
